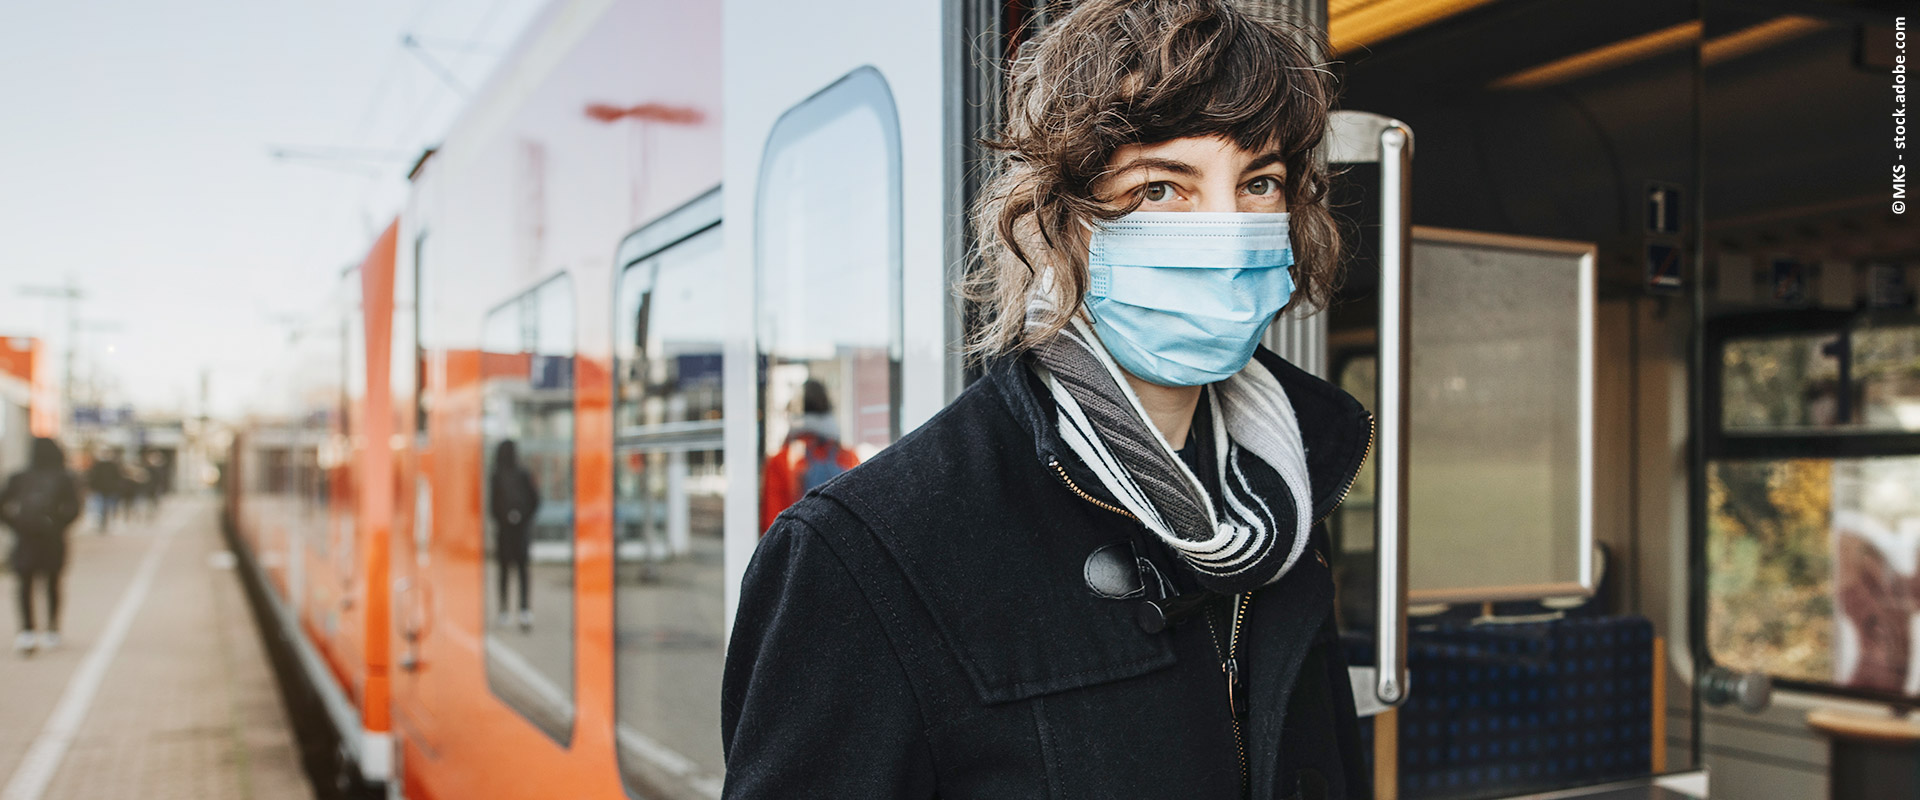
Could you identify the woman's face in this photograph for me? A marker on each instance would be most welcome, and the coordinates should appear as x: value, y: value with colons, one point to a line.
x: 1195, y: 173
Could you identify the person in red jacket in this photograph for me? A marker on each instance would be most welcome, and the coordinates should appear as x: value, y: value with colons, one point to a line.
x: 809, y: 457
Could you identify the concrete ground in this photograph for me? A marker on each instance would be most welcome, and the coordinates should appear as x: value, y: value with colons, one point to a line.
x: 161, y: 688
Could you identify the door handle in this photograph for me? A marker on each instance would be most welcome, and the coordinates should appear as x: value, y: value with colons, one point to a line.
x: 1359, y: 137
x: 413, y: 621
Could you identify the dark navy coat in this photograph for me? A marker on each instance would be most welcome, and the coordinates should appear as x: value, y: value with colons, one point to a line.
x: 924, y: 626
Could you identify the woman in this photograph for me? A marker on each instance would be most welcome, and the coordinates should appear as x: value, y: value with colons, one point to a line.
x: 38, y: 503
x: 1097, y: 573
x: 513, y: 499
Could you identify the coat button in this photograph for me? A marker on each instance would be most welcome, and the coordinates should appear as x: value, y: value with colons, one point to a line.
x: 1151, y: 619
x: 1112, y: 572
x: 1155, y: 616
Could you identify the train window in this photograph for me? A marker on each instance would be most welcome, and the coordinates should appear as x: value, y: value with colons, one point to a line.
x: 827, y: 255
x: 669, y: 489
x: 351, y: 431
x: 1795, y: 382
x: 404, y: 375
x: 1812, y: 518
x: 1809, y: 560
x: 527, y: 427
x: 417, y: 359
x: 277, y: 477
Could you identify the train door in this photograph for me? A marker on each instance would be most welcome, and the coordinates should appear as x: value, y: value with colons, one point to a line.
x: 1477, y: 395
x: 842, y: 217
x: 1508, y: 295
x: 411, y: 514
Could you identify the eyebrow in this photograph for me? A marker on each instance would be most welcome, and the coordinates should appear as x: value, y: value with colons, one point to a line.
x: 1265, y: 161
x: 1176, y: 167
x: 1185, y: 169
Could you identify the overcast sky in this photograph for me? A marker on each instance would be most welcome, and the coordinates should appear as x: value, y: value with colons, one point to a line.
x: 136, y: 141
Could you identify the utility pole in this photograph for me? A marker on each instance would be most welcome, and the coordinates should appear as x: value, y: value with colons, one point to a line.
x: 95, y: 394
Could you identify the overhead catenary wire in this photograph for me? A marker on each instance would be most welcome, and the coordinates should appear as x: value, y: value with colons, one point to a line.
x: 423, y: 110
x: 433, y: 65
x: 399, y: 97
x: 370, y: 161
x: 460, y: 46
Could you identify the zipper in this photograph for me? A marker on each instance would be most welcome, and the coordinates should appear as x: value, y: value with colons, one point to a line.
x: 1351, y: 479
x: 1229, y: 662
x: 1230, y: 667
x: 1055, y: 463
x: 1229, y: 656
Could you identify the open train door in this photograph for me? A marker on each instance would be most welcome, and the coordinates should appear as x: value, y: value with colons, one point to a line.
x: 1468, y: 569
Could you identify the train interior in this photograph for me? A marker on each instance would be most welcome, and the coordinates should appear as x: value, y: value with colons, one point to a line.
x: 1725, y: 164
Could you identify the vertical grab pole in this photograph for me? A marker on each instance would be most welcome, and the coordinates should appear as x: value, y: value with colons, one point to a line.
x: 1396, y: 159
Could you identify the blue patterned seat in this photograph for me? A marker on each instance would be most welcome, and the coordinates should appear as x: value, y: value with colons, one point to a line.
x: 1505, y: 709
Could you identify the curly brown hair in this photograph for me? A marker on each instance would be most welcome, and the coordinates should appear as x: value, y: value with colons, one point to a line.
x: 1118, y: 72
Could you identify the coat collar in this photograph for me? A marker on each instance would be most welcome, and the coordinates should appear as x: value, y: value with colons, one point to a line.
x: 1336, y: 429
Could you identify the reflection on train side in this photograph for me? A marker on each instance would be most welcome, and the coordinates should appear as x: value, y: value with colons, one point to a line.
x: 527, y: 388
x: 828, y: 268
x: 670, y: 483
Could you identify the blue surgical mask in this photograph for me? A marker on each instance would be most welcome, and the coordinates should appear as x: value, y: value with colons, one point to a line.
x: 1181, y: 298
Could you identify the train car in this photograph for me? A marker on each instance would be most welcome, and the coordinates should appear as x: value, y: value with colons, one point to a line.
x: 303, y: 487
x: 1605, y: 350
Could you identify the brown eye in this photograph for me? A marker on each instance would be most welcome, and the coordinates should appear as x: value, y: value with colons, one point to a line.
x: 1263, y: 185
x: 1158, y: 192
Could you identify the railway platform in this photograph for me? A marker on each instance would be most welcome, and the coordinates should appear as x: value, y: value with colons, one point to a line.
x: 161, y: 688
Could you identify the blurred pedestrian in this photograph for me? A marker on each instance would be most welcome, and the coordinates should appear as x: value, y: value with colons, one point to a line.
x: 129, y: 488
x: 134, y: 484
x: 513, y: 500
x: 104, y: 480
x: 159, y: 481
x: 38, y: 503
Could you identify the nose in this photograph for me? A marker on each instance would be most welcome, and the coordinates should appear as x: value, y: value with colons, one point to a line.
x: 1219, y: 198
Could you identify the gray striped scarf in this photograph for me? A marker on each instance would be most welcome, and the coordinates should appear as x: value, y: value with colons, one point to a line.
x: 1260, y: 535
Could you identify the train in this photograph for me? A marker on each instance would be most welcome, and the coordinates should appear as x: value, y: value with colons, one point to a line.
x: 1596, y: 327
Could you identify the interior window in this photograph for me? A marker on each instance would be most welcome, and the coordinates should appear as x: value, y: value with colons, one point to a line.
x: 670, y: 484
x: 827, y: 242
x: 527, y: 417
x: 1860, y: 377
x: 1812, y: 510
x: 1808, y: 560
